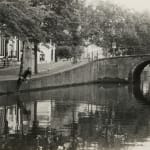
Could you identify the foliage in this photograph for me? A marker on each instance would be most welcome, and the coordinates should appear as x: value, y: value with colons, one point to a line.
x: 63, y: 52
x: 67, y: 22
x: 17, y: 18
x: 68, y: 51
x: 41, y: 20
x: 62, y: 23
x: 109, y: 23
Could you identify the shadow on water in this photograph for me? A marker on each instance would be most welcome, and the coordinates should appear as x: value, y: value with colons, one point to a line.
x: 139, y: 95
x: 82, y: 117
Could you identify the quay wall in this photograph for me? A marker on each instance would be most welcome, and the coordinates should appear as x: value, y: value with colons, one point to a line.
x: 103, y: 70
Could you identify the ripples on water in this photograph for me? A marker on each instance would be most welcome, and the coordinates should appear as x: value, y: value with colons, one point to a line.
x: 89, y: 117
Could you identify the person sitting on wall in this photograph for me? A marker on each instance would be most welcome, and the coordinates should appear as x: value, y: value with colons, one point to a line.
x: 27, y: 74
x: 24, y: 77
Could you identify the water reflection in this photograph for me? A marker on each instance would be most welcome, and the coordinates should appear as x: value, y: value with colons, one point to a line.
x: 85, y: 117
x: 142, y: 90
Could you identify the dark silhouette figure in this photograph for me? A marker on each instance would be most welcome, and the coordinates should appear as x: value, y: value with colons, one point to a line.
x: 24, y: 77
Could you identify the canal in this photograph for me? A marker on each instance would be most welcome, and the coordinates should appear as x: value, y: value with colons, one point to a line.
x: 87, y: 117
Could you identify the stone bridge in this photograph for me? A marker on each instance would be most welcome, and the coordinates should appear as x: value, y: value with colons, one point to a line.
x: 125, y: 68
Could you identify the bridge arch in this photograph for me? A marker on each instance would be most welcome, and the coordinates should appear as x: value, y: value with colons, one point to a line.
x: 135, y: 74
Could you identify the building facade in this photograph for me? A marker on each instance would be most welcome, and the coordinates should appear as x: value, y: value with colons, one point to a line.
x: 92, y: 52
x: 13, y: 47
x: 46, y: 53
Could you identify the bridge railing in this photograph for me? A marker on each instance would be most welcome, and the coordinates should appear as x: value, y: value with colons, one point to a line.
x: 138, y: 52
x: 118, y: 54
x: 128, y: 52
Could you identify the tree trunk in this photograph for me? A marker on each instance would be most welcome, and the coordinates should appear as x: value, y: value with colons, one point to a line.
x: 74, y: 55
x: 6, y: 47
x: 6, y: 53
x: 21, y: 61
x: 35, y: 58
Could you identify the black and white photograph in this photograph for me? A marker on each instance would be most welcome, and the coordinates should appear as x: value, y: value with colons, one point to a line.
x: 74, y: 75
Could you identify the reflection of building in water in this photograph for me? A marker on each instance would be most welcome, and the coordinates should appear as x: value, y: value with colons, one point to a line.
x: 145, y: 73
x: 145, y: 80
x: 22, y: 117
x: 145, y: 87
x: 43, y: 113
x: 16, y: 117
x: 13, y: 117
x: 88, y: 126
x: 86, y: 108
x: 10, y: 117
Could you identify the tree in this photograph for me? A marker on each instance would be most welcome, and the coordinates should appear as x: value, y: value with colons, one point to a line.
x: 108, y: 24
x: 64, y: 52
x: 21, y: 20
x: 62, y: 23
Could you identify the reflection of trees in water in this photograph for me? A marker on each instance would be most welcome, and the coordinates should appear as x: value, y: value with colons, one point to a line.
x: 61, y: 108
x: 100, y: 126
x: 112, y: 123
x: 118, y: 123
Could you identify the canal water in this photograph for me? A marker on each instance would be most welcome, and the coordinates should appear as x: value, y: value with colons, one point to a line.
x: 87, y: 117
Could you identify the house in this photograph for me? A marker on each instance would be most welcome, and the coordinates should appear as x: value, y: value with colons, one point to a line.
x: 13, y: 47
x: 92, y: 52
x: 46, y: 53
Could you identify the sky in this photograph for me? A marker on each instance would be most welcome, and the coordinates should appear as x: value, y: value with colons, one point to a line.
x: 138, y: 5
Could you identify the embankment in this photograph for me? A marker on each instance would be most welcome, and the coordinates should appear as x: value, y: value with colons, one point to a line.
x: 96, y: 71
